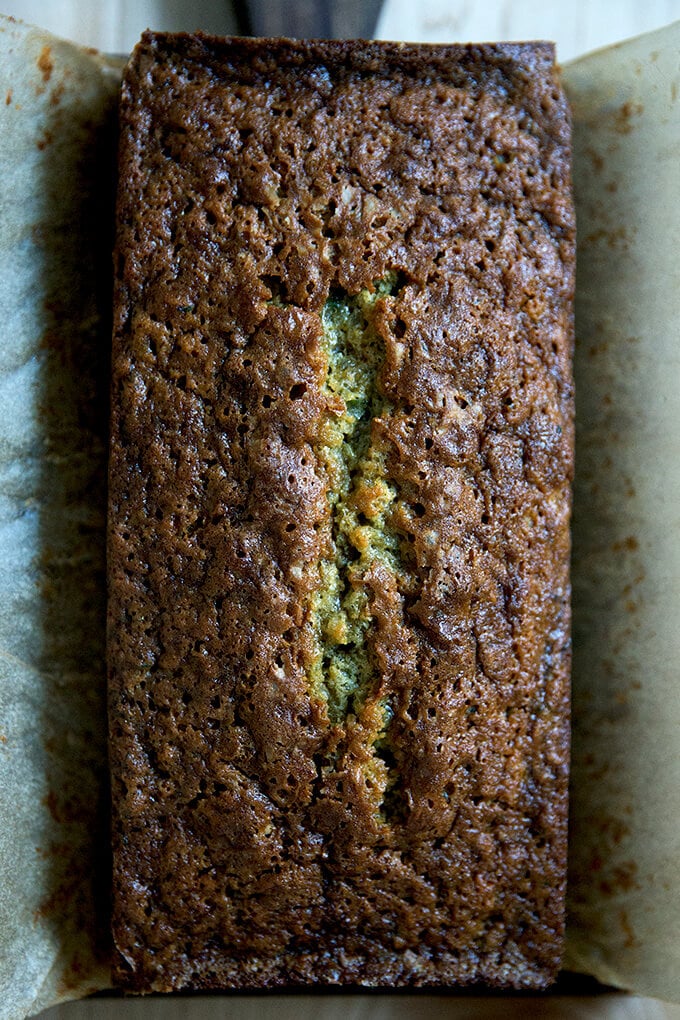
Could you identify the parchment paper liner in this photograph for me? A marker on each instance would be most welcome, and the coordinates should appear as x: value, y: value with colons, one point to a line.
x: 56, y: 159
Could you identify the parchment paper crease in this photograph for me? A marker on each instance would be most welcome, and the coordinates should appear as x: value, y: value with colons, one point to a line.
x: 56, y: 135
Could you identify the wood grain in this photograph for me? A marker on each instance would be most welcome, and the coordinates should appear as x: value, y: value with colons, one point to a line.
x: 576, y: 27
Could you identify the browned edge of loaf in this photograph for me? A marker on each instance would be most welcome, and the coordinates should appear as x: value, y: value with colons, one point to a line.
x: 420, y: 837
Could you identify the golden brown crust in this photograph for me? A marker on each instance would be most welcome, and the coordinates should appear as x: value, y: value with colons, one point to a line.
x: 421, y: 838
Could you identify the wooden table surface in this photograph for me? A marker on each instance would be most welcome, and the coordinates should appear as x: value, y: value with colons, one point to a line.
x: 577, y: 27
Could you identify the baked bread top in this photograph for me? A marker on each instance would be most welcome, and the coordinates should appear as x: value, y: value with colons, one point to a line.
x: 339, y: 498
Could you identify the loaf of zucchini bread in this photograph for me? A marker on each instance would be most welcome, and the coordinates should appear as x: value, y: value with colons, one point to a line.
x: 340, y: 468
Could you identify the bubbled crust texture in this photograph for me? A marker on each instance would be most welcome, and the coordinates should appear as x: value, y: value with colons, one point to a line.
x: 252, y: 843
